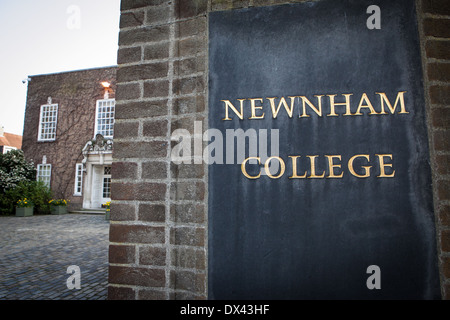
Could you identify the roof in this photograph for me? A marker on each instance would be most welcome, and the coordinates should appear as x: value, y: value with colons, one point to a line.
x: 11, y: 140
x: 70, y: 71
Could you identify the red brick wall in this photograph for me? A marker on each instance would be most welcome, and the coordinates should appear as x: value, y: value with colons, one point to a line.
x: 76, y: 94
x: 158, y: 215
x: 434, y: 25
x: 158, y: 234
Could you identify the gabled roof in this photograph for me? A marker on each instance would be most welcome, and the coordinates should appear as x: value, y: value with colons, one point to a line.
x: 11, y: 140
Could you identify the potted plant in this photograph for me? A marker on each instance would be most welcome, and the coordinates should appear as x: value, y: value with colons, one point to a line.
x: 24, y: 208
x: 58, y: 206
x: 107, y: 205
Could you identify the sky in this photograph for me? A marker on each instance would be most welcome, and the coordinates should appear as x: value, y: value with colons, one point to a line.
x: 49, y: 36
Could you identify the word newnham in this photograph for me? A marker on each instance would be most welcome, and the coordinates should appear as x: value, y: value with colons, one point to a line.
x: 258, y: 106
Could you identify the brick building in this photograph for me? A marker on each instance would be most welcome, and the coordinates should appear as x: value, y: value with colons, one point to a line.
x: 68, y: 131
x: 9, y: 141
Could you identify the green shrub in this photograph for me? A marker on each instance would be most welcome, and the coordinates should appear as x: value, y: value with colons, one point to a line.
x: 14, y: 169
x: 17, y: 181
x: 35, y: 191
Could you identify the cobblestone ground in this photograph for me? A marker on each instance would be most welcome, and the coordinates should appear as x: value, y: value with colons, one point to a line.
x: 36, y: 251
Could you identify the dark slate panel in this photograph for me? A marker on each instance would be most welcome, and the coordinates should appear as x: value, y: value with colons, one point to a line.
x: 314, y: 238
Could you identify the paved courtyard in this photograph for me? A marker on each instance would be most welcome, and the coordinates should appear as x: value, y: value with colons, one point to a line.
x: 36, y: 251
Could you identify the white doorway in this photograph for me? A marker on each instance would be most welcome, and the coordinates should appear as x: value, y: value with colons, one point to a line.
x: 97, y: 180
x: 101, y: 186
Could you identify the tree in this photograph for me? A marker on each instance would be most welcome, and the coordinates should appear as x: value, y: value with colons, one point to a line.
x: 15, y: 169
x: 18, y: 181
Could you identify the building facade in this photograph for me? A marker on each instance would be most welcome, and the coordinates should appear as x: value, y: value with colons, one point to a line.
x: 68, y: 132
x: 9, y: 141
x: 161, y: 217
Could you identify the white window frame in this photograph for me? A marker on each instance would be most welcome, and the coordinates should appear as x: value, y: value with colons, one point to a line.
x: 8, y: 148
x: 105, y: 115
x: 44, y: 175
x: 48, y: 124
x: 106, y: 183
x: 78, y: 188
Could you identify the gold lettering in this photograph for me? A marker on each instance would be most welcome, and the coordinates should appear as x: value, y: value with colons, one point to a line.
x: 228, y: 104
x: 282, y: 167
x: 294, y: 169
x: 284, y: 103
x: 313, y: 169
x: 400, y: 98
x: 346, y: 104
x: 331, y: 166
x: 244, y: 171
x: 383, y: 165
x: 253, y: 107
x: 318, y: 110
x: 334, y: 165
x: 366, y: 168
x: 368, y: 104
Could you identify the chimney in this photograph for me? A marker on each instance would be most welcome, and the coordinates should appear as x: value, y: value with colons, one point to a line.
x: 2, y: 130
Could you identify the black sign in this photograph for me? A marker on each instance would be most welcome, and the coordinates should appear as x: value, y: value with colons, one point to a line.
x: 335, y: 202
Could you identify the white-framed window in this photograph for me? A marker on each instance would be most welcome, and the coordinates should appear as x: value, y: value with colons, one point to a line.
x: 107, y: 182
x: 104, y: 118
x: 44, y: 173
x: 8, y: 148
x: 47, y: 122
x: 78, y: 179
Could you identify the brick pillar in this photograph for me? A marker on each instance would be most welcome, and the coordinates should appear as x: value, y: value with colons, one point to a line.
x: 435, y: 36
x: 158, y: 214
x: 158, y: 233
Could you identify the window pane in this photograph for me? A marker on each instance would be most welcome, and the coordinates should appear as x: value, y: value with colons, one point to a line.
x: 48, y: 122
x: 44, y: 173
x: 106, y: 187
x: 78, y: 179
x: 105, y: 117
